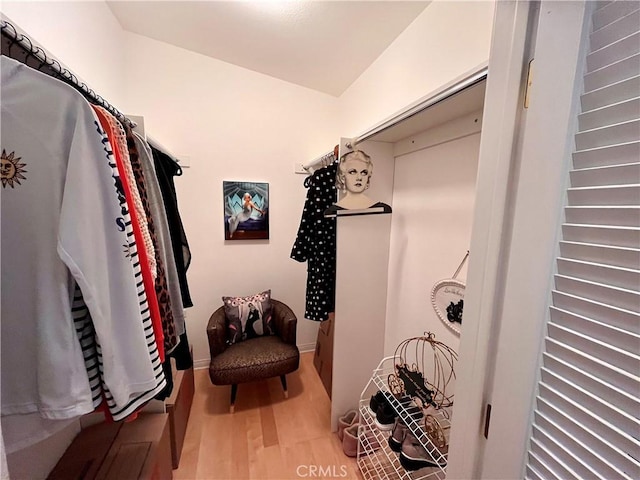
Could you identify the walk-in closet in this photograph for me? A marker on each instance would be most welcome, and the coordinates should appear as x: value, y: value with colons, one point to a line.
x: 401, y: 236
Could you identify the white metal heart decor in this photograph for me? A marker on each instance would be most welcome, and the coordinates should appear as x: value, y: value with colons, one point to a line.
x: 449, y: 294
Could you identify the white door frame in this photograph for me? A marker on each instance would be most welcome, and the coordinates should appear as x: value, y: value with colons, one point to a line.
x: 502, y: 111
x: 544, y: 162
x: 520, y: 192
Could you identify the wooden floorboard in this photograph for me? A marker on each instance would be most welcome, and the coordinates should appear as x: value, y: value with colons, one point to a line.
x: 268, y: 437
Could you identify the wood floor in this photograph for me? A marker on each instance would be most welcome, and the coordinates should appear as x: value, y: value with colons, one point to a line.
x: 268, y: 436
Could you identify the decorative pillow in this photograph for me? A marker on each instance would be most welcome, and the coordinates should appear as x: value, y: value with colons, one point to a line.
x: 248, y: 317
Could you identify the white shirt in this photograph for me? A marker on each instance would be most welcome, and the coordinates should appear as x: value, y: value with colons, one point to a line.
x: 61, y: 223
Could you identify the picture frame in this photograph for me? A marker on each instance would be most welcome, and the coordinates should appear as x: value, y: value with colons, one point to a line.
x: 246, y: 210
x: 447, y: 298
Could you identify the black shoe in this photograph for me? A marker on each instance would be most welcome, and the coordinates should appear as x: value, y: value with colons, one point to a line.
x: 381, y: 397
x: 385, y: 417
x: 376, y: 400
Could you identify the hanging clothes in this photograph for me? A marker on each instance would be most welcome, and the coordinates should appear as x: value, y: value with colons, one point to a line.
x: 163, y: 236
x: 62, y: 223
x: 183, y: 361
x: 316, y: 243
x: 117, y: 137
x: 161, y: 287
x: 142, y: 256
x: 166, y: 169
x: 181, y: 353
x: 114, y: 408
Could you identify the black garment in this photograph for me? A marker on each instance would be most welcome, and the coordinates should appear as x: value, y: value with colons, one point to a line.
x: 316, y: 243
x: 182, y: 353
x: 182, y: 356
x: 166, y: 169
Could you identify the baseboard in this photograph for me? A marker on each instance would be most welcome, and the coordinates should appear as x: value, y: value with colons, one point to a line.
x: 307, y: 347
x: 198, y: 364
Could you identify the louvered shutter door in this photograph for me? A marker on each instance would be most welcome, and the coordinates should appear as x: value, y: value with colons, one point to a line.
x: 586, y: 422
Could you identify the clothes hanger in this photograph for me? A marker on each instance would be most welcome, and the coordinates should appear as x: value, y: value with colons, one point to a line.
x: 9, y: 39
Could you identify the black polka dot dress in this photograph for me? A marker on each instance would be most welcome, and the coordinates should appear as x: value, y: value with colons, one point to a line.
x: 316, y: 243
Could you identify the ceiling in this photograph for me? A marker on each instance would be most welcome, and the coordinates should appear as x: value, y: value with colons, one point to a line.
x: 323, y: 45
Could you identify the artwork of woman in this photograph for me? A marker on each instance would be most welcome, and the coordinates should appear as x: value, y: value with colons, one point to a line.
x: 247, y: 207
x: 353, y: 179
x: 254, y: 327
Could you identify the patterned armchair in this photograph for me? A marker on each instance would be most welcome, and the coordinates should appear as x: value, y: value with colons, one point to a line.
x: 254, y: 359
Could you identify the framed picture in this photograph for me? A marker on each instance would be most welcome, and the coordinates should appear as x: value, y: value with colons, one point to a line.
x: 246, y: 210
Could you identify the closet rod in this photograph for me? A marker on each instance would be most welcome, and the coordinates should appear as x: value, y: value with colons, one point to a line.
x: 325, y: 159
x: 16, y: 37
x: 158, y: 146
x: 468, y: 80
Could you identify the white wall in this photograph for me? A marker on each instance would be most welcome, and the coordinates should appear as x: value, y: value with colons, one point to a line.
x: 234, y: 124
x: 433, y: 198
x: 361, y: 287
x: 447, y: 40
x: 84, y: 36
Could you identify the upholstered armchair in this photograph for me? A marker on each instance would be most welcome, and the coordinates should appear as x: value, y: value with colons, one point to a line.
x: 256, y: 358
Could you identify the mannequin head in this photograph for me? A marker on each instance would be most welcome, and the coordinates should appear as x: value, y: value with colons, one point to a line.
x: 354, y: 172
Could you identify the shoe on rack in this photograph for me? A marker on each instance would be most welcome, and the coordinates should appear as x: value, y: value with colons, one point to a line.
x: 414, y: 456
x: 401, y: 428
x: 397, y: 435
x: 382, y: 397
x: 348, y: 419
x: 361, y: 433
x: 385, y: 417
x: 376, y: 400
